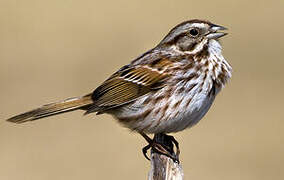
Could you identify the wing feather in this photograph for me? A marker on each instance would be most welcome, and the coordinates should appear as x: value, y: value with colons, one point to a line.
x: 125, y: 86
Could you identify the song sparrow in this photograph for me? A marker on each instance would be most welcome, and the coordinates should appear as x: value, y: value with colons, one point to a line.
x: 167, y: 89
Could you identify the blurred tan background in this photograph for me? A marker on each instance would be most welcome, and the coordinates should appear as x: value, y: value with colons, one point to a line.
x: 52, y: 50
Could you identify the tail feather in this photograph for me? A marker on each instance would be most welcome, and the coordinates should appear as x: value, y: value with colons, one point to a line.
x: 53, y: 109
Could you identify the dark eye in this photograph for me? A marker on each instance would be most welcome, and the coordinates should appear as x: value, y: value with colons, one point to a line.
x: 193, y: 32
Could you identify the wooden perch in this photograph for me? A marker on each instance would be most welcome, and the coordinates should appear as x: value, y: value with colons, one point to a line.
x: 162, y: 166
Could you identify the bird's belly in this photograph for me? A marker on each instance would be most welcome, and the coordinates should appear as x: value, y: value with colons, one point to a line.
x: 165, y: 114
x: 182, y: 117
x: 188, y: 116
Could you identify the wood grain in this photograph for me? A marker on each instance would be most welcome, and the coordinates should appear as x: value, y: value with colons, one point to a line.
x: 163, y: 167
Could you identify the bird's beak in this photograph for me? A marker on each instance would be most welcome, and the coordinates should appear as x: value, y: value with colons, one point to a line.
x: 214, y: 34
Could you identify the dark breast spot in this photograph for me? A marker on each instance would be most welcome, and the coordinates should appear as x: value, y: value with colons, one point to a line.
x: 189, y: 66
x: 203, y: 54
x: 164, y: 109
x: 181, y: 90
x: 146, y: 113
x: 191, y: 76
x: 158, y: 99
x: 190, y: 88
x: 176, y: 104
x: 188, y: 102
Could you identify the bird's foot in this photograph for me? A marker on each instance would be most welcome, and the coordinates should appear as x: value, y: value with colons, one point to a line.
x: 162, y: 144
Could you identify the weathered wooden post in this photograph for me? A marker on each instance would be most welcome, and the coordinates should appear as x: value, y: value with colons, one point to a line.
x: 162, y: 166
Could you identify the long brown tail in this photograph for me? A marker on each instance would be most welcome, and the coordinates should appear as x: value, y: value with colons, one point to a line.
x: 67, y: 105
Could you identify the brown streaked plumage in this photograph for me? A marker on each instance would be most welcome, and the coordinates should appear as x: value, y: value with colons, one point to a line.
x: 167, y: 89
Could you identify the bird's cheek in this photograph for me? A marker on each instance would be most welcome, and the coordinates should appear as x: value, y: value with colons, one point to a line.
x: 188, y: 46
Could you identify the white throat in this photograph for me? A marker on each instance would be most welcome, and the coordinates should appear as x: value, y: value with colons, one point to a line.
x: 219, y: 66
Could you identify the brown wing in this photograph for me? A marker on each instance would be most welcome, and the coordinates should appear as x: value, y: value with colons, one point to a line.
x: 125, y: 86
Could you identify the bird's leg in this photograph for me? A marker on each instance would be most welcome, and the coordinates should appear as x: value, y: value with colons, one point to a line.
x: 146, y: 148
x: 168, y: 143
x: 176, y: 144
x: 162, y: 144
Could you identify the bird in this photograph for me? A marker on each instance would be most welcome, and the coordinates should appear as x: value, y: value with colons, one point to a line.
x: 167, y: 89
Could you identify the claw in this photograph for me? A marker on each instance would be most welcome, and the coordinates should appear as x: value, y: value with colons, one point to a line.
x: 144, y: 150
x: 158, y: 147
x: 177, y: 147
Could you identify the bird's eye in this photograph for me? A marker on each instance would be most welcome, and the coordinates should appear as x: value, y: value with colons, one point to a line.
x: 193, y: 32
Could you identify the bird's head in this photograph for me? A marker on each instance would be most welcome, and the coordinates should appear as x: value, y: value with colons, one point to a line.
x: 192, y: 36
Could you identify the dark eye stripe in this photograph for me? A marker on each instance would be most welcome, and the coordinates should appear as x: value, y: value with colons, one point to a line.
x: 179, y: 36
